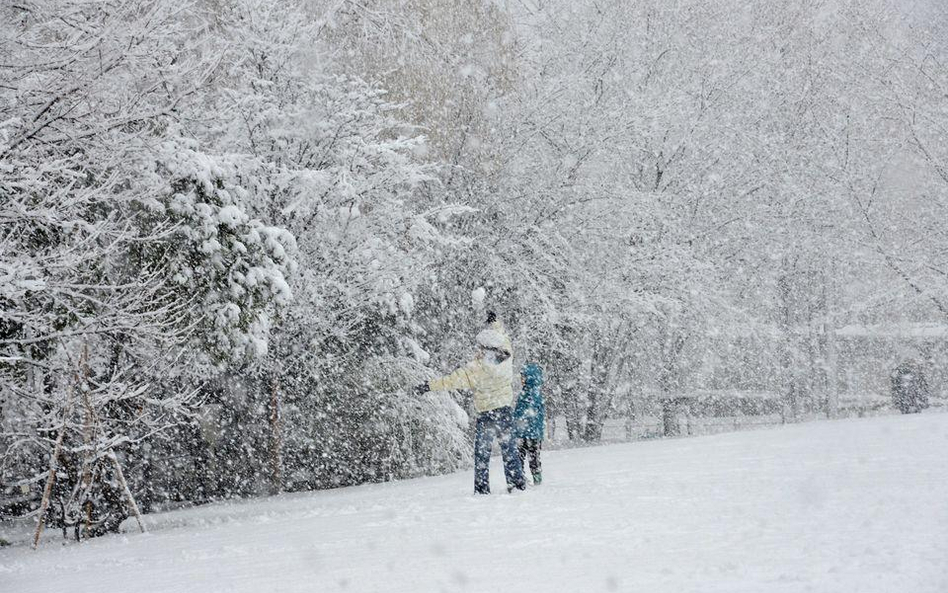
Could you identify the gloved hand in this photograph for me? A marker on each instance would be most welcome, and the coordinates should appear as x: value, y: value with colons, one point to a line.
x: 420, y: 389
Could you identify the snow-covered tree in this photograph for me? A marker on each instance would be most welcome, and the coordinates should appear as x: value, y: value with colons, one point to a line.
x: 330, y: 159
x: 124, y: 250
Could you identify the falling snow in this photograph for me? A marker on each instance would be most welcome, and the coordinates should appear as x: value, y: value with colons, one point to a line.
x: 241, y: 241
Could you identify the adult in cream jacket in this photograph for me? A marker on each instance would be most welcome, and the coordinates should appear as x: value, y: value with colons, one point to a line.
x: 490, y: 377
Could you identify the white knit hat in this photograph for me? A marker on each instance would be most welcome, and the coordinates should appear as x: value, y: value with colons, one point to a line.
x: 491, y: 338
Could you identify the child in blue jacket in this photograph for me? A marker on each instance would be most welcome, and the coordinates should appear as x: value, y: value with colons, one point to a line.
x: 529, y: 418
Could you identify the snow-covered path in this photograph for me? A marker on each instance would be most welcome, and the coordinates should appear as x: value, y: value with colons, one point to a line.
x: 851, y: 505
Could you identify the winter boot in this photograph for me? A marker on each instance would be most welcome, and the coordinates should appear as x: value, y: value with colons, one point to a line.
x: 537, y: 478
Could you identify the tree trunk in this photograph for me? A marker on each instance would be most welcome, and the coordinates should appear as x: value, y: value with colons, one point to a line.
x: 574, y: 425
x: 832, y: 379
x: 594, y: 420
x: 276, y: 436
x: 832, y: 352
x: 630, y: 418
x: 671, y: 425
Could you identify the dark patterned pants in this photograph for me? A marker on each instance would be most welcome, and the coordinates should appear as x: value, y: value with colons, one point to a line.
x: 496, y: 424
x: 531, y: 447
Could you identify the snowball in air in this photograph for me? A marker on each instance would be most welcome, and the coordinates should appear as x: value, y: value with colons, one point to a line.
x: 477, y: 297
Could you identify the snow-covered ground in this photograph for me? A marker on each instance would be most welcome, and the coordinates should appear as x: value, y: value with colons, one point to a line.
x: 853, y: 505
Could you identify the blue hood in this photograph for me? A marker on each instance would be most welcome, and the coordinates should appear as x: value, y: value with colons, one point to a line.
x: 532, y: 375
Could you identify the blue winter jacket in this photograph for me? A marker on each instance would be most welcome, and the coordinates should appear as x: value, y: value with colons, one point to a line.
x: 530, y: 413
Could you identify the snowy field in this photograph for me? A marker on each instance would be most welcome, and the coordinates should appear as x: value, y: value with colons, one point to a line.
x: 855, y: 505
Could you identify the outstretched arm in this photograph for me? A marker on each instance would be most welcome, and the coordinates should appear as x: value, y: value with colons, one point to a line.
x: 459, y: 379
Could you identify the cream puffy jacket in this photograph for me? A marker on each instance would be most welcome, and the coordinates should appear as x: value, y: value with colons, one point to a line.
x: 491, y: 382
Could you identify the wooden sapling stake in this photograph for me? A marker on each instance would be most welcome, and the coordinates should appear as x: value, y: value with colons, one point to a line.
x: 92, y: 418
x: 128, y: 493
x: 88, y: 441
x: 47, y: 492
